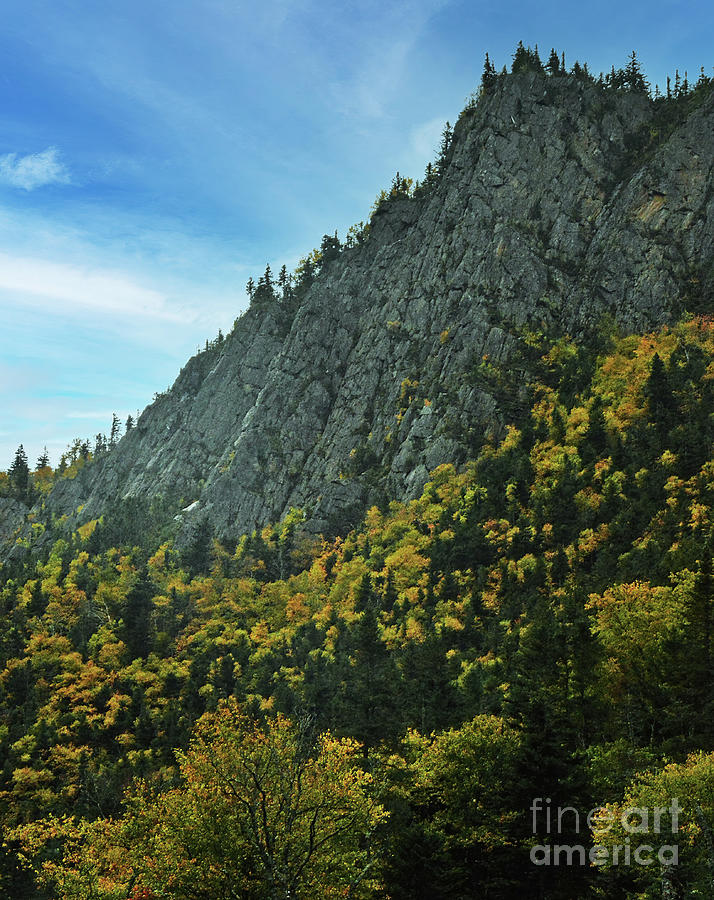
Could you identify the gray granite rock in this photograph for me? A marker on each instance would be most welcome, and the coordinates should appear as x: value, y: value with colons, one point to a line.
x: 545, y: 217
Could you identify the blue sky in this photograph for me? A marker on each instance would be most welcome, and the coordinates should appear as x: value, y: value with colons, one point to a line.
x: 155, y: 154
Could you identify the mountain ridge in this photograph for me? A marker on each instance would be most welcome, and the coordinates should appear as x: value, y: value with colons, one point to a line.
x: 555, y: 208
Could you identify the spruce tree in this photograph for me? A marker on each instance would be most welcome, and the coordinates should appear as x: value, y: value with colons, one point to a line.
x: 285, y: 284
x: 364, y: 595
x: 660, y: 399
x: 447, y: 137
x: 634, y: 79
x: 330, y: 247
x: 489, y: 75
x: 594, y: 444
x: 521, y: 60
x: 553, y: 64
x: 100, y: 444
x: 136, y: 615
x: 535, y: 60
x: 19, y: 475
x: 526, y: 60
x: 43, y: 460
x: 115, y: 432
x: 264, y: 293
x: 372, y: 680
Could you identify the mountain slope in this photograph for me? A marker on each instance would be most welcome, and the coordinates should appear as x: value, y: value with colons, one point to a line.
x: 559, y: 203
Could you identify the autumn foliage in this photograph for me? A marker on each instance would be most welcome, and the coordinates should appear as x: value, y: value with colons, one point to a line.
x: 372, y: 715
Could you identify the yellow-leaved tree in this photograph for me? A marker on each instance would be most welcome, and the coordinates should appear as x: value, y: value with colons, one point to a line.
x: 262, y: 812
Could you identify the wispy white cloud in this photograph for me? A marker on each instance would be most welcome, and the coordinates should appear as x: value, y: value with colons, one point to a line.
x: 63, y: 288
x: 33, y: 170
x: 381, y: 63
x: 426, y: 138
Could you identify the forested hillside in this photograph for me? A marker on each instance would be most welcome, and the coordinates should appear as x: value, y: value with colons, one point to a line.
x: 557, y: 199
x: 375, y: 715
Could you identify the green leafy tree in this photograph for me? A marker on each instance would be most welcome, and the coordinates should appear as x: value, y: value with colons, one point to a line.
x: 261, y: 813
x: 666, y: 819
x: 454, y: 800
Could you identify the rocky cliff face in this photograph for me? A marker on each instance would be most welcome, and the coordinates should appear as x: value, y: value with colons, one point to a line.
x: 554, y: 209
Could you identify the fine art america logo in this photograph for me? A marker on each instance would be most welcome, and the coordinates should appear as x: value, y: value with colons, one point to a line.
x: 634, y: 822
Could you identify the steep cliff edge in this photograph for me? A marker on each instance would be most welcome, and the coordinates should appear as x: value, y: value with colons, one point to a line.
x: 556, y: 207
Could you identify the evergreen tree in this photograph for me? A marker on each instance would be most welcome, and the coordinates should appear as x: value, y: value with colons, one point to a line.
x: 306, y: 271
x: 285, y: 283
x: 521, y: 59
x: 538, y: 700
x: 634, y: 79
x: 196, y: 556
x: 391, y: 594
x: 129, y: 422
x: 526, y: 60
x: 136, y: 615
x: 699, y: 652
x: 447, y: 137
x: 330, y: 247
x: 264, y: 293
x: 553, y: 64
x: 429, y: 699
x: 19, y: 475
x: 430, y: 176
x: 364, y: 595
x: 660, y: 399
x: 594, y: 444
x: 372, y: 681
x: 115, y: 432
x: 100, y: 444
x: 489, y: 75
x: 43, y: 460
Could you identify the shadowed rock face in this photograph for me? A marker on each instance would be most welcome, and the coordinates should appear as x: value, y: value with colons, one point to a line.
x: 547, y: 216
